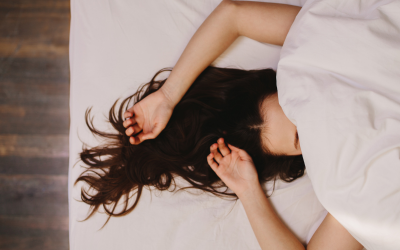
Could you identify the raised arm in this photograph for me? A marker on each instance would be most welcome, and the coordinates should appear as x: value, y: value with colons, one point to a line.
x: 263, y: 22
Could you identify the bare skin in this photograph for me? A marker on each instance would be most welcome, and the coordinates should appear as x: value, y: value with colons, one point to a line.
x: 263, y: 22
x: 236, y: 169
x: 279, y: 134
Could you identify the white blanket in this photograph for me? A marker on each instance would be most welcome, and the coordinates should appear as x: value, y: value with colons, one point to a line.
x: 339, y: 82
x: 114, y: 47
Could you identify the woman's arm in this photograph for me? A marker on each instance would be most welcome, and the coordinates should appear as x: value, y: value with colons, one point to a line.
x: 270, y: 231
x: 263, y: 22
x: 236, y: 169
x: 331, y: 235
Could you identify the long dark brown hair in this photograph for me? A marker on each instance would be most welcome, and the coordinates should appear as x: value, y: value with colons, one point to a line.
x: 221, y: 102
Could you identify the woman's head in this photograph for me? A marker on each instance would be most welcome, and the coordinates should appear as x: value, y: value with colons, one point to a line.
x: 228, y: 103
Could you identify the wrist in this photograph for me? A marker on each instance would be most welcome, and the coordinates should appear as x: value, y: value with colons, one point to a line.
x: 170, y: 97
x: 173, y: 91
x: 252, y: 193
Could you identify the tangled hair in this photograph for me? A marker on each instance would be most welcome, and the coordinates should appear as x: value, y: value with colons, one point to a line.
x: 221, y: 102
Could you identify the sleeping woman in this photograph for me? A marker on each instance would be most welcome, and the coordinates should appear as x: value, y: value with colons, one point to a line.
x: 214, y: 127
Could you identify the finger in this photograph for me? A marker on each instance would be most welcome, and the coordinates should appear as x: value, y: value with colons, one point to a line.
x: 222, y: 147
x: 128, y: 114
x: 135, y: 140
x: 242, y: 154
x: 211, y: 162
x: 142, y: 137
x: 217, y: 156
x: 154, y: 132
x: 136, y: 128
x: 233, y: 148
x: 133, y: 130
x: 148, y: 136
x: 129, y: 122
x: 129, y: 131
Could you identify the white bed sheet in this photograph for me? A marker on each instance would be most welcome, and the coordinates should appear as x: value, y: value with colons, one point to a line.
x: 339, y: 82
x: 115, y: 46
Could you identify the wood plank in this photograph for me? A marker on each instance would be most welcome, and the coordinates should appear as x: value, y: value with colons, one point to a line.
x: 20, y: 26
x: 12, y: 111
x: 54, y: 31
x: 32, y: 239
x: 34, y: 119
x: 34, y: 195
x: 16, y: 165
x: 22, y: 91
x: 24, y: 119
x: 30, y: 22
x: 43, y: 68
x: 37, y: 4
x: 34, y: 222
x: 49, y: 146
x: 10, y: 48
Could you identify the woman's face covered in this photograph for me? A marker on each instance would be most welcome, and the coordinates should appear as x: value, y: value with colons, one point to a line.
x: 279, y: 134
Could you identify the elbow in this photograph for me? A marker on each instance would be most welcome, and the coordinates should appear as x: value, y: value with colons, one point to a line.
x: 229, y: 6
x: 231, y: 10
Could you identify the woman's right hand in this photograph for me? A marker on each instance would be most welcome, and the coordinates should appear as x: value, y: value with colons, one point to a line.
x: 234, y: 166
x: 150, y: 116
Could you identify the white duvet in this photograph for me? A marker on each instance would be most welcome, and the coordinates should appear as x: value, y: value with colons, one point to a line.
x: 339, y: 82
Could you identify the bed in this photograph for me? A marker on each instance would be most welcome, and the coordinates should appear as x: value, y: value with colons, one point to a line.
x: 115, y: 46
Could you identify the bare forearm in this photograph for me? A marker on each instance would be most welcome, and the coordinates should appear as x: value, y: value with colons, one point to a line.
x: 213, y: 37
x: 263, y: 22
x: 270, y: 231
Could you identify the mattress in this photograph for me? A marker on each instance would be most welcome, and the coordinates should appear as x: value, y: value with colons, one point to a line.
x: 115, y: 46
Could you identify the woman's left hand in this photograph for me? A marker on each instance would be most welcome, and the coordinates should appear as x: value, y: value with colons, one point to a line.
x: 235, y: 168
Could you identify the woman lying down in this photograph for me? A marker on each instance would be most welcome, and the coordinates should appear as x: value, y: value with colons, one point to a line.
x: 214, y: 127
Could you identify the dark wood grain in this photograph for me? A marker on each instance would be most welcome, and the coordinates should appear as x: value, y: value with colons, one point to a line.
x: 20, y: 91
x: 24, y: 119
x: 32, y: 239
x: 34, y: 68
x: 34, y: 124
x: 34, y: 222
x: 50, y: 146
x: 16, y: 165
x: 33, y: 195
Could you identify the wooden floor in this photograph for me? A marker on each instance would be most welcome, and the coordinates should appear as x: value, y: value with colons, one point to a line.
x: 34, y: 123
